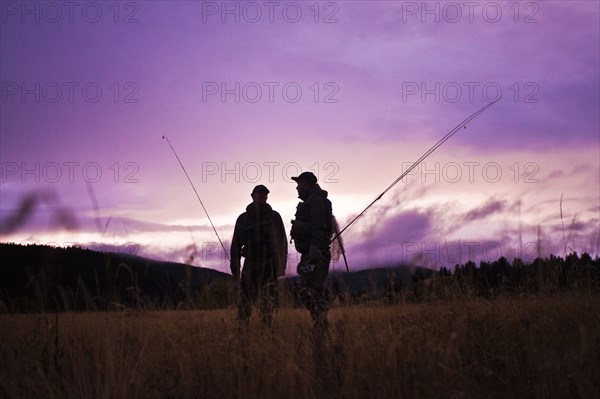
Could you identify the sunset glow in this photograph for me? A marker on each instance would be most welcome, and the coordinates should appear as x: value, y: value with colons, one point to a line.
x: 251, y: 94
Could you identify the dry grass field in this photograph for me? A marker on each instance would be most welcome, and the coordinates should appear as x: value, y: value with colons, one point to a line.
x: 521, y: 348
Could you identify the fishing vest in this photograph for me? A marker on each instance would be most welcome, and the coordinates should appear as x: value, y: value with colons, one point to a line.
x: 303, y: 233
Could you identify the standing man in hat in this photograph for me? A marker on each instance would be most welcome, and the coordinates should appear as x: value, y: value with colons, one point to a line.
x: 311, y: 231
x: 259, y: 237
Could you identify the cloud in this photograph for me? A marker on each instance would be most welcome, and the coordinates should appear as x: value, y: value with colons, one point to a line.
x: 42, y: 210
x: 555, y: 174
x: 385, y: 240
x: 489, y: 208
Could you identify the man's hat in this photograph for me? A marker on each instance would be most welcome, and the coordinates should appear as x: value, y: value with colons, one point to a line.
x: 308, y: 177
x: 260, y: 189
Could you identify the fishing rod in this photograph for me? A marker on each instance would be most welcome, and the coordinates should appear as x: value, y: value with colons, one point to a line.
x: 418, y: 161
x: 197, y: 195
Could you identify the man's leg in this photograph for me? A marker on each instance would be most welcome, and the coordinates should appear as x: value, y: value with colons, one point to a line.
x: 247, y: 293
x: 268, y: 282
x: 313, y: 290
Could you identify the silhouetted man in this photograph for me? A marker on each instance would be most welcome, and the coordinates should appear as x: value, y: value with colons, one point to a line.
x: 259, y: 237
x: 311, y: 232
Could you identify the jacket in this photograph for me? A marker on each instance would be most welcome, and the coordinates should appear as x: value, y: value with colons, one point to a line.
x: 260, y: 237
x: 312, y: 224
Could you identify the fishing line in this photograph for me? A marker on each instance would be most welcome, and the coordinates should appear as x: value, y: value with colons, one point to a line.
x: 197, y: 195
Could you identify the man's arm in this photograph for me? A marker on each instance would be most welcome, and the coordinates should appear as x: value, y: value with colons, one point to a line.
x: 236, y: 249
x: 281, y: 246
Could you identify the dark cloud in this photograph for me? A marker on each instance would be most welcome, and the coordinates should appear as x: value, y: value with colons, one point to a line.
x: 43, y: 213
x: 489, y: 208
x: 393, y: 232
x: 575, y: 226
x: 555, y: 174
x: 582, y: 169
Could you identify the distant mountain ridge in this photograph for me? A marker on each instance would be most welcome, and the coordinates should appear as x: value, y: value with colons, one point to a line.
x: 75, y: 278
x: 44, y: 278
x: 36, y: 278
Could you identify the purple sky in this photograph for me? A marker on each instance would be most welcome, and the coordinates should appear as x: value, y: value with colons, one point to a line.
x: 353, y: 90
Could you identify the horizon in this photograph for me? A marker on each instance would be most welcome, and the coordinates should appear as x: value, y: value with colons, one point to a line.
x: 251, y: 94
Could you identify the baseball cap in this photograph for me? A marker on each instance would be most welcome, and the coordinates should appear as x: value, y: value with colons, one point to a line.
x: 308, y: 177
